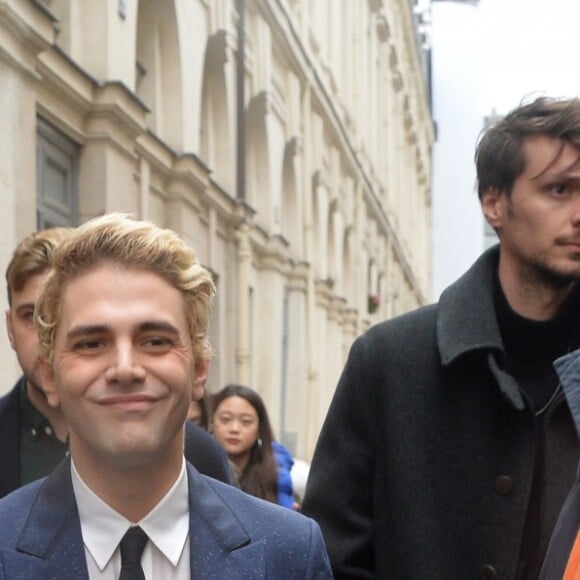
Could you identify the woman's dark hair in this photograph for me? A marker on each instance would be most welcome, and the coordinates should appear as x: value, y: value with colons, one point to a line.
x: 260, y: 476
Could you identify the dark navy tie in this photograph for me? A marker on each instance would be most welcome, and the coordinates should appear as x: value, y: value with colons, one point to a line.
x: 132, y: 546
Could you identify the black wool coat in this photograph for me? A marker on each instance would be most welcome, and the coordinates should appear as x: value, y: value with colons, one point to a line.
x: 424, y: 464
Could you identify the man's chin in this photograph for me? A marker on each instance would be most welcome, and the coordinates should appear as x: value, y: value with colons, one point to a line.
x: 33, y: 384
x: 562, y: 277
x: 138, y: 452
x: 133, y: 457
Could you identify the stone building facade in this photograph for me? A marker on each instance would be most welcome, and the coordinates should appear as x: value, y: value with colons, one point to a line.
x: 288, y: 141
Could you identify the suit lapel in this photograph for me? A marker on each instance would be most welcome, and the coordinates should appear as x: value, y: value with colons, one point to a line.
x: 52, y: 532
x: 220, y: 546
x: 51, y: 545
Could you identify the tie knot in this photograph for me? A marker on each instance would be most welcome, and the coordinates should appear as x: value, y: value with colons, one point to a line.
x: 132, y: 546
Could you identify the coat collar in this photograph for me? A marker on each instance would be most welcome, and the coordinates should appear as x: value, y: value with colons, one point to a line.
x: 466, y: 322
x: 53, y: 528
x: 466, y: 318
x: 220, y: 545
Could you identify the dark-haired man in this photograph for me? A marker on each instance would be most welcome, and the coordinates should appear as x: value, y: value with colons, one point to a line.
x: 32, y: 433
x: 449, y: 448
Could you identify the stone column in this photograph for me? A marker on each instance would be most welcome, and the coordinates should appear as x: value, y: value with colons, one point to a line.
x: 244, y: 263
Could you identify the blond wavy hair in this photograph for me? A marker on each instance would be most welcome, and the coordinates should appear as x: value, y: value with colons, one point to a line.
x: 119, y: 240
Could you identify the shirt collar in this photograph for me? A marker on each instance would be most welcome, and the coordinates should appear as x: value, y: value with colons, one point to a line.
x: 166, y: 525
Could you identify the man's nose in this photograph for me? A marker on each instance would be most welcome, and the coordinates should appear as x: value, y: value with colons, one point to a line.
x: 125, y: 366
x: 576, y: 209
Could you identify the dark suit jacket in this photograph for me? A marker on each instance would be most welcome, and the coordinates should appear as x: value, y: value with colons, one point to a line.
x: 232, y: 534
x: 10, y: 440
x: 201, y: 449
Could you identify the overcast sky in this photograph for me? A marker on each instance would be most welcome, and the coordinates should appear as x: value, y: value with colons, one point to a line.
x: 487, y: 58
x: 529, y: 46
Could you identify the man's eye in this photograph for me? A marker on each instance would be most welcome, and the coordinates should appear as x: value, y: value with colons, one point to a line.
x: 28, y: 318
x: 559, y: 188
x: 157, y: 342
x: 88, y: 344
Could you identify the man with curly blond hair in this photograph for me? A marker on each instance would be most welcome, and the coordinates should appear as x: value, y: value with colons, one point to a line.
x: 123, y: 320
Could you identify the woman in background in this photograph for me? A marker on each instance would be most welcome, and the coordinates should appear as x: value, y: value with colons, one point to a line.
x: 242, y: 427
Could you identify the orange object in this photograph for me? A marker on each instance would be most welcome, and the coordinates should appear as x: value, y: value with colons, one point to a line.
x: 573, y: 567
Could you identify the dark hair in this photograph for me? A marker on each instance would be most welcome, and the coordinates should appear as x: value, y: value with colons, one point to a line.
x: 499, y: 157
x: 260, y: 476
x: 204, y: 419
x: 203, y: 412
x: 33, y: 255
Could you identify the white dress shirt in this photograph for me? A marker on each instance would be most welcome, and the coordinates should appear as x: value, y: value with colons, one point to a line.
x: 166, y: 555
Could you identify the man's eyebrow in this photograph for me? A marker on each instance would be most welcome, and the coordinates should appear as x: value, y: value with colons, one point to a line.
x: 87, y: 330
x: 564, y: 174
x: 147, y: 326
x: 26, y: 306
x: 158, y: 325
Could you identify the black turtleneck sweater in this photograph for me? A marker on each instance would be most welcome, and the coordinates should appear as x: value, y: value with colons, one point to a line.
x: 531, y: 347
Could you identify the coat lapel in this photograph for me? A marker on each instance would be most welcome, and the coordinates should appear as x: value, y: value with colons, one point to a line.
x: 220, y: 546
x: 50, y: 545
x: 52, y: 534
x: 466, y: 313
x: 466, y: 322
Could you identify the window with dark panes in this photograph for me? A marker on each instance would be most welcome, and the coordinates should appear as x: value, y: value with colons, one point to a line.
x: 57, y: 175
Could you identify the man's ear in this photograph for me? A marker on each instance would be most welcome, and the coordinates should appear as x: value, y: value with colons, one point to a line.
x: 493, y: 205
x: 47, y: 382
x: 9, y: 329
x: 201, y: 373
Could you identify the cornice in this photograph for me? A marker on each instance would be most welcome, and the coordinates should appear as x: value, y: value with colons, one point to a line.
x: 115, y: 102
x: 64, y: 79
x: 25, y: 31
x: 270, y: 252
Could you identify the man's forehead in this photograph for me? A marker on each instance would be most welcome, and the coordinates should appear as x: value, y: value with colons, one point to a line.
x: 543, y: 154
x: 31, y: 284
x: 108, y: 281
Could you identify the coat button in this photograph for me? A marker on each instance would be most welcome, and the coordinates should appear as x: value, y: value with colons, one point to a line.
x: 488, y: 573
x: 503, y: 485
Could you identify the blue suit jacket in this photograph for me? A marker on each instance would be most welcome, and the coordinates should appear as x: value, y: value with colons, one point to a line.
x: 232, y: 534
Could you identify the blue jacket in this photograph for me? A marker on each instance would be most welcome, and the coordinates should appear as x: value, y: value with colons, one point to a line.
x: 566, y: 529
x: 285, y: 462
x: 232, y: 534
